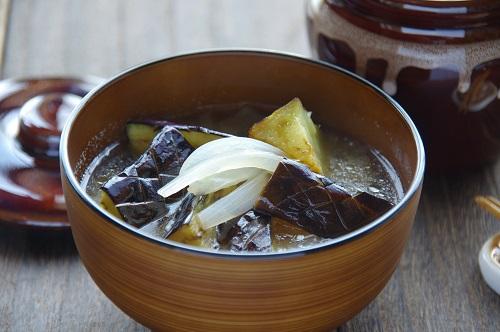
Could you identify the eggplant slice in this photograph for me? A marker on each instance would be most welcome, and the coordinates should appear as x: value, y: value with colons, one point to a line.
x: 141, y: 132
x: 250, y: 232
x: 294, y: 193
x: 132, y: 194
x: 139, y: 214
x: 313, y: 202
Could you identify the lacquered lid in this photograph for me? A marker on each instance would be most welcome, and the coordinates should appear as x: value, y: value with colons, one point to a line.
x: 32, y: 114
x: 454, y: 21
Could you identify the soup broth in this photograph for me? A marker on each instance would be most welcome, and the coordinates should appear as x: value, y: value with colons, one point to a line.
x: 350, y: 163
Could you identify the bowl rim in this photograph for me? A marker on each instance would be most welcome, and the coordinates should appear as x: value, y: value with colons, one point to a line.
x: 68, y: 174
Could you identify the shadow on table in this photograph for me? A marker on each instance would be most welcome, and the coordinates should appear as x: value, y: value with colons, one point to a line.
x: 458, y: 189
x: 36, y: 243
x: 441, y: 257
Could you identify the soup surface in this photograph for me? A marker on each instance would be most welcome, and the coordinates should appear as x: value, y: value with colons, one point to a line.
x: 349, y: 163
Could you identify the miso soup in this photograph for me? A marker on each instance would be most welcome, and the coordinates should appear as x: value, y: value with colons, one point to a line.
x: 235, y: 178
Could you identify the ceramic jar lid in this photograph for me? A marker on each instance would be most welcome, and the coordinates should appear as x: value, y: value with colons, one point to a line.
x: 32, y: 116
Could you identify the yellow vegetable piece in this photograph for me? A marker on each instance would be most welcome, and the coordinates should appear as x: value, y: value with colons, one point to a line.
x: 192, y: 234
x: 198, y: 138
x: 291, y: 129
x: 107, y: 203
x: 140, y: 136
x: 188, y: 233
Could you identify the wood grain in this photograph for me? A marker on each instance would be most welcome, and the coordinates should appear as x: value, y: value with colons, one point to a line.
x: 43, y: 286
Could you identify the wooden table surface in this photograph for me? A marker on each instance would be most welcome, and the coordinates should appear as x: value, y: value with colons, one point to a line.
x: 44, y: 286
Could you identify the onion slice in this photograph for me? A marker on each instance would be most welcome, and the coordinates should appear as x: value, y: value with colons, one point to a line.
x: 225, y: 146
x: 240, y: 159
x: 238, y: 202
x: 223, y: 180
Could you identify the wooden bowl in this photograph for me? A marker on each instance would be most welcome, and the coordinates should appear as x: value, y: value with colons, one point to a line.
x: 170, y: 286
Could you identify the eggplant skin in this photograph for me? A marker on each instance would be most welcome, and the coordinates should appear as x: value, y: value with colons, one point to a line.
x: 176, y: 218
x: 140, y: 133
x: 133, y: 193
x: 132, y: 189
x: 316, y: 204
x: 250, y: 232
x: 169, y: 150
x: 361, y: 209
x: 140, y: 181
x: 144, y: 167
x: 139, y: 214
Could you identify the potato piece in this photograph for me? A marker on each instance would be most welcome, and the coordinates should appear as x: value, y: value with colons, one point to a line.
x: 291, y: 129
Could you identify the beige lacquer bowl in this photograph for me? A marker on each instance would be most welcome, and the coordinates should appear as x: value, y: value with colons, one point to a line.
x: 169, y: 286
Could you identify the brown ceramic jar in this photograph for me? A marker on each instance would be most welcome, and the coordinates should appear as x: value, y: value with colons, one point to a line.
x: 439, y: 59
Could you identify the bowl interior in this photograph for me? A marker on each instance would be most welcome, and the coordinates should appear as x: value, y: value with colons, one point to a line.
x: 180, y: 85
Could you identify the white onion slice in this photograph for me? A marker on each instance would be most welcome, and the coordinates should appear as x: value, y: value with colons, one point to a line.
x: 238, y: 202
x: 237, y: 159
x: 223, y: 180
x: 224, y: 146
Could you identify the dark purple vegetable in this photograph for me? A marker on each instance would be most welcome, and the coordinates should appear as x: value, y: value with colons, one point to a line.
x: 141, y: 132
x: 157, y: 125
x: 360, y: 209
x: 250, y: 232
x: 313, y: 202
x: 178, y: 214
x: 144, y: 167
x: 165, y: 155
x: 134, y: 190
x: 139, y: 214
